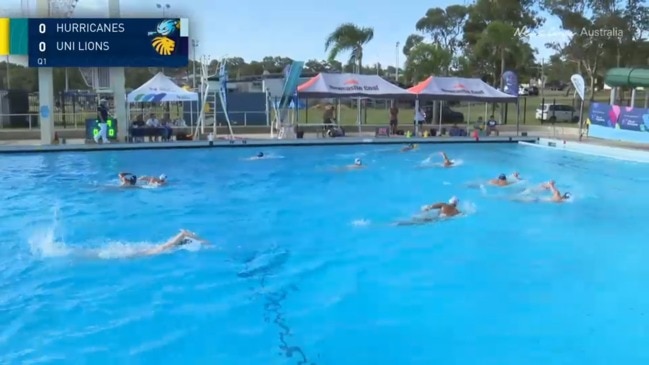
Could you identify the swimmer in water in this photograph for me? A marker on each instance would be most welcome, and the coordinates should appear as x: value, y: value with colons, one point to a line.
x: 155, y: 181
x: 447, y: 162
x: 182, y: 238
x: 127, y: 180
x: 409, y: 147
x: 502, y: 180
x: 358, y: 164
x: 557, y: 196
x: 260, y: 155
x: 445, y: 210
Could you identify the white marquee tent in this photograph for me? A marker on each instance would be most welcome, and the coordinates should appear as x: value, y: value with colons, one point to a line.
x: 160, y: 89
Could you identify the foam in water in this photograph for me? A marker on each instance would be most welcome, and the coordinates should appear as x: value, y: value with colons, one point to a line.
x: 434, y: 161
x: 43, y: 243
x: 351, y: 155
x: 468, y: 208
x: 360, y: 222
x: 48, y: 243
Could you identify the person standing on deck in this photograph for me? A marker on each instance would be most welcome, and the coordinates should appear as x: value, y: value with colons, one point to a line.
x: 420, y: 118
x: 102, y: 117
x: 394, y: 117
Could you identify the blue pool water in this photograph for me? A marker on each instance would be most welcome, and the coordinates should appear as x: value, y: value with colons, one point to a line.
x: 306, y: 268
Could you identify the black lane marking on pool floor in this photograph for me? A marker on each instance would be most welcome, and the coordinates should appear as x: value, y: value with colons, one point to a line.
x: 274, y: 311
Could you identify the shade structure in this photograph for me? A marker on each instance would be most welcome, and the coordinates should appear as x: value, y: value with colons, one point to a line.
x: 459, y: 89
x: 346, y: 85
x: 160, y: 89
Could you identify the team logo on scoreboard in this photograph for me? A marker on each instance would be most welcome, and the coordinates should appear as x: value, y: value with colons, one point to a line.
x: 162, y: 43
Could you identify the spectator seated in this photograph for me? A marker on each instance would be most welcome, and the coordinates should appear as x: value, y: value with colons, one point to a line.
x: 456, y: 131
x: 382, y: 132
x: 492, y: 127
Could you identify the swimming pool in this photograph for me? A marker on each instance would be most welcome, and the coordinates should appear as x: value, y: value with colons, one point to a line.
x: 306, y: 267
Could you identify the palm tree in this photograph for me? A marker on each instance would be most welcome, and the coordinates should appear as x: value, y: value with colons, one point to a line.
x: 349, y: 37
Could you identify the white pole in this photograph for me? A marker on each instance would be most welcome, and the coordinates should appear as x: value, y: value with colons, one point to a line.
x: 396, y: 64
x: 191, y: 112
x: 416, y: 117
x: 268, y: 110
x: 468, y: 120
x: 358, y: 106
x: 194, y: 46
x: 118, y: 84
x: 338, y: 111
x: 484, y: 121
x: 440, y: 117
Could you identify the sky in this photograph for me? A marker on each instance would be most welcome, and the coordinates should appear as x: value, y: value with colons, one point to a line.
x: 297, y: 29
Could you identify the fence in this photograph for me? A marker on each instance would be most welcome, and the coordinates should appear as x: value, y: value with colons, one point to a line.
x: 78, y: 120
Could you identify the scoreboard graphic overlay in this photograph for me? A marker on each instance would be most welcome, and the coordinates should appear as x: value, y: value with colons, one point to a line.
x: 101, y: 42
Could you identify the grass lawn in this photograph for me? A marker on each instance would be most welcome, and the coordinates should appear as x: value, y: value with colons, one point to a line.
x: 471, y: 111
x: 379, y: 115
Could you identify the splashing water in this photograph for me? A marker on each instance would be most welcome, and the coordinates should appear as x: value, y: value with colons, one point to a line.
x: 265, y: 157
x: 468, y: 208
x: 434, y: 161
x: 44, y: 243
x: 47, y: 241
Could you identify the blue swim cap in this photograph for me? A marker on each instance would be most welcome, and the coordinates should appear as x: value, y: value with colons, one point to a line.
x: 502, y: 177
x: 132, y: 179
x: 260, y: 154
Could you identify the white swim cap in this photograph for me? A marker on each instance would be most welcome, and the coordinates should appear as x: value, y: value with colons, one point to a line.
x: 453, y: 200
x: 357, y: 161
x: 163, y: 177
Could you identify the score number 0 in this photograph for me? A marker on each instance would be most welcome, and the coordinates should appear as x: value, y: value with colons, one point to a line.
x: 41, y: 45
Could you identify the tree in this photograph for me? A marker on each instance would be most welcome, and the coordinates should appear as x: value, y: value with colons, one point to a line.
x: 500, y: 39
x: 349, y: 37
x: 444, y: 26
x: 426, y: 59
x: 411, y: 41
x: 510, y: 14
x: 604, y: 34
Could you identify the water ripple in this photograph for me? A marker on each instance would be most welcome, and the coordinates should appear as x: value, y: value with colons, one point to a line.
x: 305, y: 267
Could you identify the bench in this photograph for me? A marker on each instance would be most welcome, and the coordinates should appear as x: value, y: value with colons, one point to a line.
x: 153, y: 133
x: 137, y: 134
x: 321, y: 129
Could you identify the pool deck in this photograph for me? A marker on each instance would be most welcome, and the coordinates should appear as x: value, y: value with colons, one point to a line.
x: 79, y: 146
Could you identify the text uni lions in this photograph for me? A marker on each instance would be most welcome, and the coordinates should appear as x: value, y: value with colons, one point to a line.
x: 83, y: 46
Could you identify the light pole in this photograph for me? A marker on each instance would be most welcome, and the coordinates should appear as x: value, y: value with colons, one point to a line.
x: 8, y: 81
x: 194, y: 46
x: 164, y: 8
x: 396, y: 66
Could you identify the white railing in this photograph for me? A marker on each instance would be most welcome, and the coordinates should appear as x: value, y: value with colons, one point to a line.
x: 78, y: 120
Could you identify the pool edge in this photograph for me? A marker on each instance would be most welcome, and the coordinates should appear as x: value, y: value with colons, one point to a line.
x: 617, y: 153
x: 251, y: 143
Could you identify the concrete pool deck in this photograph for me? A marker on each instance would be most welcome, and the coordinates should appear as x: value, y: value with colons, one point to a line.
x: 244, y: 141
x: 619, y: 151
